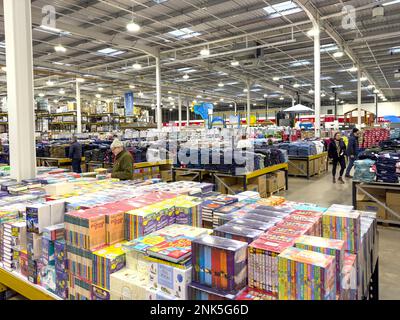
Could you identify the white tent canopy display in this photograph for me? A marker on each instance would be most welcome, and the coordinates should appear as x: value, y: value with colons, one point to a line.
x: 299, y: 108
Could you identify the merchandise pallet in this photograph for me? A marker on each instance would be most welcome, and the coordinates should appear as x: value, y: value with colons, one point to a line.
x: 216, y: 175
x: 308, y: 160
x: 21, y: 285
x: 362, y: 186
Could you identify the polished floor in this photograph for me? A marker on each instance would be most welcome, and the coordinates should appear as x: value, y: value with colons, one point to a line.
x: 322, y: 191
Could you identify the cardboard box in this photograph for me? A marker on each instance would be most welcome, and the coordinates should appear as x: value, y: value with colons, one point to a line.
x: 393, y: 198
x: 271, y: 183
x: 252, y: 187
x: 166, y: 175
x: 298, y: 167
x: 372, y: 206
x: 127, y: 284
x: 280, y: 178
x: 261, y: 182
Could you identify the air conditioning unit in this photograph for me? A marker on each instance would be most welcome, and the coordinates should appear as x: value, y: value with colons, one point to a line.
x: 378, y: 11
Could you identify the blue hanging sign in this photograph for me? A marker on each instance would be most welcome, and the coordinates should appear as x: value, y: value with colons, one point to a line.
x: 129, y: 103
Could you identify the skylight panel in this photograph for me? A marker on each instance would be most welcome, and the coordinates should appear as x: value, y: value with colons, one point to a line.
x: 299, y: 63
x: 184, y: 33
x: 282, y: 9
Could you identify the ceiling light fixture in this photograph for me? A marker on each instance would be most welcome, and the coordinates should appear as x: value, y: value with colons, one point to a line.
x: 323, y: 95
x: 186, y: 76
x: 338, y: 54
x: 98, y: 95
x: 353, y: 69
x: 132, y: 86
x: 55, y: 101
x: 296, y: 85
x: 62, y: 91
x: 41, y: 94
x: 60, y: 49
x: 222, y: 99
x: 231, y: 105
x: 311, y: 91
x: 100, y: 89
x: 370, y: 86
x: 132, y: 27
x: 331, y: 98
x: 220, y: 84
x: 265, y: 95
x: 245, y: 90
x: 363, y: 78
x: 49, y: 83
x: 376, y: 91
x: 80, y: 80
x: 137, y: 66
x: 275, y: 78
x: 312, y: 32
x: 281, y: 98
x: 235, y: 63
x: 205, y: 52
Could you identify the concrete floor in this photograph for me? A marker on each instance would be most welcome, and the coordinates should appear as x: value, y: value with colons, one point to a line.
x: 322, y: 191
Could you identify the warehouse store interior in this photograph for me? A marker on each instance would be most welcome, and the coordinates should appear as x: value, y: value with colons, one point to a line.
x: 199, y: 150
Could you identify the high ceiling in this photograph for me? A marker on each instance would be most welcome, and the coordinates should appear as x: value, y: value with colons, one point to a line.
x: 268, y: 38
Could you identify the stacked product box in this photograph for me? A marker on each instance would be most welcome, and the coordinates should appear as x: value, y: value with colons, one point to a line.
x: 326, y: 246
x: 61, y: 267
x: 306, y: 275
x: 34, y: 242
x: 219, y: 263
x: 105, y: 262
x: 263, y: 261
x: 47, y: 265
x: 238, y: 233
x: 349, y: 277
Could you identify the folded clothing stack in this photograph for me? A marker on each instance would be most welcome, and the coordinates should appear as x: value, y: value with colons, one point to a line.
x: 364, y: 170
x: 301, y: 148
x: 388, y: 167
x: 395, y: 133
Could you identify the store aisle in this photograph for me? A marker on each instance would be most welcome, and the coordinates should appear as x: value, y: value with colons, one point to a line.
x: 322, y: 191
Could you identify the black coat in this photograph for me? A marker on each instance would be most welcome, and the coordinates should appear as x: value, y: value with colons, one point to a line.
x: 75, y: 151
x: 332, y: 152
x: 352, y: 148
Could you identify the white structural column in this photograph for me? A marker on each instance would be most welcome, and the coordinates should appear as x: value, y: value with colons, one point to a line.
x: 248, y: 103
x: 180, y: 110
x: 78, y: 108
x: 235, y: 108
x: 158, y: 90
x: 317, y: 80
x: 359, y: 98
x: 187, y: 113
x: 21, y: 118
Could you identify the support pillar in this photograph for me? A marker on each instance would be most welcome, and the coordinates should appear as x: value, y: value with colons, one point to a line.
x: 179, y: 110
x: 78, y: 108
x: 248, y: 104
x: 187, y: 113
x: 20, y: 92
x: 359, y: 98
x: 158, y: 93
x: 317, y: 80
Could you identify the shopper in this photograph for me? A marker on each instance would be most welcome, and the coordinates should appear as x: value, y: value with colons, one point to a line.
x: 75, y: 154
x: 123, y: 164
x: 337, y: 151
x: 352, y: 150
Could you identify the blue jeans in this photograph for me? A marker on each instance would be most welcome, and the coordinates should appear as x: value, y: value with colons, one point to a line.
x: 350, y: 165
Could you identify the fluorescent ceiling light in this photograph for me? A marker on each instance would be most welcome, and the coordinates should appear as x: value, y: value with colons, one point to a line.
x: 160, y: 1
x: 110, y: 52
x: 48, y: 29
x: 326, y: 78
x: 390, y: 3
x: 287, y: 77
x: 300, y: 63
x: 62, y: 91
x: 394, y: 50
x: 41, y: 95
x: 336, y: 86
x: 370, y: 86
x: 132, y: 86
x: 100, y: 89
x: 265, y: 95
x: 222, y: 99
x: 235, y: 63
x: 232, y: 83
x: 231, y: 105
x: 220, y: 84
x: 281, y: 98
x: 363, y: 79
x: 185, y: 76
x: 353, y: 69
x: 282, y: 9
x: 186, y: 70
x: 345, y: 92
x: 311, y: 91
x: 98, y: 96
x: 275, y: 78
x: 323, y: 95
x: 49, y: 83
x: 80, y: 80
x: 305, y: 85
x: 184, y: 33
x: 219, y: 89
x: 328, y: 47
x: 245, y: 90
x: 255, y: 90
x: 296, y: 85
x: 331, y: 98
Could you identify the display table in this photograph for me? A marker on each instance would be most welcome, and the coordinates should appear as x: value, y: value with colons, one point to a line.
x: 57, y: 162
x: 20, y: 284
x: 199, y: 174
x: 164, y: 165
x: 374, y: 192
x: 308, y: 166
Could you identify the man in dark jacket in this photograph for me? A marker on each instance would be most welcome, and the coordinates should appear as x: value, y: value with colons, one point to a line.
x: 75, y: 154
x: 352, y: 151
x: 123, y: 165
